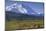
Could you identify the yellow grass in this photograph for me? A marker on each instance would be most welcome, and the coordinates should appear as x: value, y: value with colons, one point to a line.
x: 13, y: 25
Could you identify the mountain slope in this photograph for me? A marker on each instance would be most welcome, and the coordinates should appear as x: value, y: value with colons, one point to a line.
x: 13, y: 15
x: 22, y: 8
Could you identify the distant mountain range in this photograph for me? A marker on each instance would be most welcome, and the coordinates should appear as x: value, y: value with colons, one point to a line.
x: 18, y: 11
x: 23, y: 9
x: 13, y: 15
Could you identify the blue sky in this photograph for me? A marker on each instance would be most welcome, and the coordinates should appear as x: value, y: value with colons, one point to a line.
x: 35, y: 6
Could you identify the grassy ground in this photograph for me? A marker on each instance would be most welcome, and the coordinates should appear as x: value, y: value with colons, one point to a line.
x: 25, y: 24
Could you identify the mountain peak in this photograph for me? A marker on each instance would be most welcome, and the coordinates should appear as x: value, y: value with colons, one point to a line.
x: 15, y: 7
x: 21, y: 8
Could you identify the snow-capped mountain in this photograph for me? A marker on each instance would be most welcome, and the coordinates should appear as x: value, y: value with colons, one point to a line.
x: 19, y: 8
x: 16, y: 8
